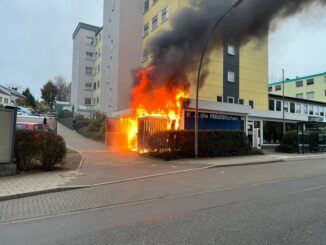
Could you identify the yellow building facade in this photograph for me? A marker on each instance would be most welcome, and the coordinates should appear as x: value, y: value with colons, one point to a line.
x: 250, y: 70
x: 311, y: 87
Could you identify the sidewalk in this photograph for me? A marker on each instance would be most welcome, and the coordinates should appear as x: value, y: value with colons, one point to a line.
x: 101, y: 166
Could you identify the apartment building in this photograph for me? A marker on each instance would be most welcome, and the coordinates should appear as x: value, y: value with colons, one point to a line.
x: 236, y: 75
x: 311, y: 87
x: 104, y: 58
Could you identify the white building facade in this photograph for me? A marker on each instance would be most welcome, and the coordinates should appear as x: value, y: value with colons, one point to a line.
x: 104, y: 58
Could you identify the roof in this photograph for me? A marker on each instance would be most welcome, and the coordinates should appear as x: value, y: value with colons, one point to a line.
x: 5, y: 90
x: 299, y: 78
x: 11, y: 92
x: 85, y: 26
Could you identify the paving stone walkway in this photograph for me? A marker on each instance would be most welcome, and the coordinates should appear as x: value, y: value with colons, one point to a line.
x: 103, y: 166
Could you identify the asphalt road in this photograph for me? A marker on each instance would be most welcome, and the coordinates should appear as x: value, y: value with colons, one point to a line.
x: 274, y: 211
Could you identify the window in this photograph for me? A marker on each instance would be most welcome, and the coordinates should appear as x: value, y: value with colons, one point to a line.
x: 145, y: 54
x: 298, y: 108
x: 278, y: 105
x: 88, y: 85
x: 325, y: 92
x: 310, y: 81
x: 270, y: 89
x: 155, y: 1
x: 88, y: 101
x: 231, y: 100
x: 98, y: 68
x: 299, y: 96
x: 146, y: 30
x: 100, y: 37
x: 251, y: 104
x: 94, y: 85
x: 97, y: 100
x: 6, y: 101
x: 325, y: 79
x: 219, y: 99
x: 286, y: 106
x: 305, y: 109
x: 271, y: 105
x: 89, y: 55
x: 165, y: 14
x: 231, y: 49
x: 146, y: 5
x: 154, y: 22
x: 299, y: 84
x: 292, y: 107
x: 321, y: 111
x: 90, y: 41
x: 278, y: 87
x: 0, y: 99
x: 231, y: 76
x: 311, y: 95
x: 89, y: 70
x: 241, y: 101
x: 316, y: 110
x: 98, y: 83
x: 311, y: 110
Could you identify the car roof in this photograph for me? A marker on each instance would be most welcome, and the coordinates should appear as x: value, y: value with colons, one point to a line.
x: 29, y: 123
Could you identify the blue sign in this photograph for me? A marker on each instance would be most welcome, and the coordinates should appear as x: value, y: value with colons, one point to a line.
x: 212, y: 121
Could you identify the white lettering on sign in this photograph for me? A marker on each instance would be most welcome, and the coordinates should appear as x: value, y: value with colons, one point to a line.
x: 214, y: 116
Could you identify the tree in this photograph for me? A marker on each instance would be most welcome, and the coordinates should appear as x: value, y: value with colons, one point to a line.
x: 63, y: 87
x: 49, y: 94
x: 30, y: 100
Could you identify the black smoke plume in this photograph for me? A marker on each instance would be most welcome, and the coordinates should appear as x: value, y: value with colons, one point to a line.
x: 177, y: 51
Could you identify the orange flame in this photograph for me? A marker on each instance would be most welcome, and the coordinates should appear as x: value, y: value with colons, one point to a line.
x: 155, y: 102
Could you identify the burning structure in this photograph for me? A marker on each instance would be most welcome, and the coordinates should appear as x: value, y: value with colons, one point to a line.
x: 234, y: 86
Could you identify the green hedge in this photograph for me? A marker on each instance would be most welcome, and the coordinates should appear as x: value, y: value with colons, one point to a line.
x: 289, y: 143
x: 90, y: 128
x: 180, y: 144
x: 36, y: 148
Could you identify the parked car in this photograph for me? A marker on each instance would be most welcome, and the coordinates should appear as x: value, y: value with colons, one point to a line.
x: 33, y: 126
x: 23, y: 111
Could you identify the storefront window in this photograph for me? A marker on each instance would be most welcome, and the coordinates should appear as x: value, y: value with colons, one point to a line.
x: 273, y: 132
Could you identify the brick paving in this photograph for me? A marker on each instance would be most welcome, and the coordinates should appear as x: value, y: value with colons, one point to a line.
x: 35, y: 182
x: 152, y: 188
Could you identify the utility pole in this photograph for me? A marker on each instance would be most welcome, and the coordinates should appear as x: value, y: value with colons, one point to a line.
x: 283, y: 90
x: 235, y: 5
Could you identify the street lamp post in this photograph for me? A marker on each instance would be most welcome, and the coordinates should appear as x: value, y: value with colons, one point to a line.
x: 236, y: 4
x: 283, y: 97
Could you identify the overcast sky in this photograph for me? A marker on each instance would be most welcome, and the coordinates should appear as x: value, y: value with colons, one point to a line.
x: 36, y: 41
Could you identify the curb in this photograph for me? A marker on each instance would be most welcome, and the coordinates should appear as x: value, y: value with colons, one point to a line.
x: 35, y: 193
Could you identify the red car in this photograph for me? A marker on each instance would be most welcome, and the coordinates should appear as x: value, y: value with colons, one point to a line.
x: 31, y: 126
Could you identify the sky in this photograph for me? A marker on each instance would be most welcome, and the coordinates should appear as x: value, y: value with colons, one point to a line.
x: 36, y: 44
